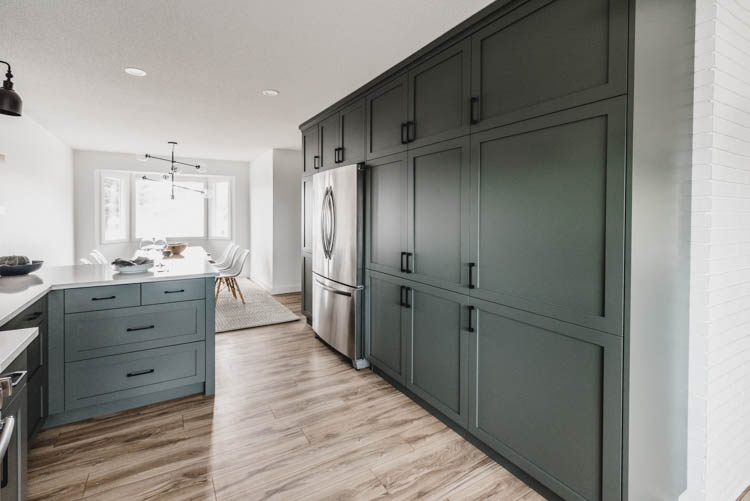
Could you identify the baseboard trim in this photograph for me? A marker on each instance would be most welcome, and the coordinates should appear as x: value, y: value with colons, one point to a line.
x: 286, y: 289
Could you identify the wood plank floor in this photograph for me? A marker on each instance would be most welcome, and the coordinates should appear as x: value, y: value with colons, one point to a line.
x: 290, y: 420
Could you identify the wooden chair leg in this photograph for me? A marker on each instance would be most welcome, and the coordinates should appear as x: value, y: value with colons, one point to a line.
x: 239, y: 289
x: 231, y: 287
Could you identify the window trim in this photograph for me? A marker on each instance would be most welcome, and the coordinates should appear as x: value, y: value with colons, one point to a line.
x: 210, y: 204
x: 125, y: 202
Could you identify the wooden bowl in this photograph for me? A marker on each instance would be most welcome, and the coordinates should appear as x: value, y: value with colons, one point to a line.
x: 176, y: 249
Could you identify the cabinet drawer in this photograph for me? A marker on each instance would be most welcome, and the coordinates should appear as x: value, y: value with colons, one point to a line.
x: 172, y: 291
x: 33, y: 316
x: 101, y: 333
x: 102, y: 298
x: 106, y: 379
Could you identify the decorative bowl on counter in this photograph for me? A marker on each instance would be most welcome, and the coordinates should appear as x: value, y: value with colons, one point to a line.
x: 8, y: 270
x: 177, y: 248
x: 137, y: 265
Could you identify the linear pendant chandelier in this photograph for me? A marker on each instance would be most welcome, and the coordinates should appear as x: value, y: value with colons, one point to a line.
x: 173, y: 170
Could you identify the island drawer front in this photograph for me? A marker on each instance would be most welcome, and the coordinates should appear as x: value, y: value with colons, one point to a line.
x: 108, y: 379
x: 102, y: 298
x: 111, y: 332
x: 172, y: 291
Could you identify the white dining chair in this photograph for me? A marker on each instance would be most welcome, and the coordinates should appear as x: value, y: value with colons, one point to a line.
x: 83, y: 260
x: 224, y: 255
x: 98, y: 256
x: 230, y: 259
x: 229, y: 276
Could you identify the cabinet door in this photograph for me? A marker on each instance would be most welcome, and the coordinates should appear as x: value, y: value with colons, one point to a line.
x: 310, y: 150
x: 548, y: 396
x: 439, y: 214
x: 386, y: 118
x: 550, y: 196
x: 36, y: 388
x: 385, y: 322
x: 307, y: 284
x: 546, y: 56
x: 307, y: 214
x: 353, y: 133
x: 330, y: 138
x: 387, y: 214
x: 440, y: 96
x: 438, y: 349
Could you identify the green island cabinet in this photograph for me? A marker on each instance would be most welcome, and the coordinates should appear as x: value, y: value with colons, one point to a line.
x: 115, y: 347
x: 520, y: 168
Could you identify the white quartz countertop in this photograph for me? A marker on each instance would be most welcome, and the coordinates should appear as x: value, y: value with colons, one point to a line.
x: 12, y: 343
x: 17, y: 293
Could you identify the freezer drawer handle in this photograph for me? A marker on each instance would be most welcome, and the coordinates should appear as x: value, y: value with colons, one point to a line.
x: 332, y: 290
x: 8, y: 425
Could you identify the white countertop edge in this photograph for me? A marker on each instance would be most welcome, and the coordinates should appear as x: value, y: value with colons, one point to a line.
x: 134, y: 278
x: 12, y: 344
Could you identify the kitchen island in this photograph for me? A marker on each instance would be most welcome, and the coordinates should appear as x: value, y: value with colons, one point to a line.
x: 117, y: 341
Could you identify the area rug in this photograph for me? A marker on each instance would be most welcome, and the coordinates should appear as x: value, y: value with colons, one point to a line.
x: 260, y: 309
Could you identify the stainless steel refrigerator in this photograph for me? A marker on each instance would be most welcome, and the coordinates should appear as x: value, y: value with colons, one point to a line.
x: 338, y: 278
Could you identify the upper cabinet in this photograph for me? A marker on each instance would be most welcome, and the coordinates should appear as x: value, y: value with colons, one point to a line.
x: 352, y: 126
x: 439, y: 96
x: 310, y: 150
x: 386, y: 118
x: 330, y: 136
x: 547, y: 56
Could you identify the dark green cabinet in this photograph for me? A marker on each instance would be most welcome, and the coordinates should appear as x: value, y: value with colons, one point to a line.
x: 437, y: 348
x: 352, y: 125
x: 548, y: 396
x: 547, y: 56
x: 386, y: 214
x: 549, y: 222
x: 307, y: 214
x: 440, y: 96
x: 386, y: 118
x: 386, y: 325
x: 330, y: 138
x: 310, y: 150
x: 439, y: 214
x: 307, y: 284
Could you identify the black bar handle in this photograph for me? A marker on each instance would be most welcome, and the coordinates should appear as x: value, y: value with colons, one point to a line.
x: 403, y: 268
x: 404, y: 133
x: 471, y: 275
x: 133, y: 329
x: 33, y: 316
x: 471, y: 314
x: 401, y: 301
x: 408, y: 267
x: 405, y: 296
x: 140, y: 373
x: 411, y: 131
x: 316, y: 162
x: 336, y: 155
x: 474, y: 110
x: 174, y: 292
x: 102, y: 298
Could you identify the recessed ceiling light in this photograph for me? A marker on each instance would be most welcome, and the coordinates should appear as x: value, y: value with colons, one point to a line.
x: 136, y: 72
x: 270, y: 92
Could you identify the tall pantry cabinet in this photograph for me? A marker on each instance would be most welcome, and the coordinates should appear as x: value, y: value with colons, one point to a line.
x: 506, y: 194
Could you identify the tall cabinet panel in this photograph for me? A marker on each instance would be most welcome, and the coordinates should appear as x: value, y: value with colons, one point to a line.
x: 549, y: 229
x: 437, y: 337
x: 307, y: 214
x: 352, y: 125
x: 310, y: 150
x: 548, y: 396
x: 386, y: 214
x: 387, y: 117
x: 440, y: 214
x: 386, y: 324
x: 307, y: 285
x: 439, y: 96
x: 546, y: 56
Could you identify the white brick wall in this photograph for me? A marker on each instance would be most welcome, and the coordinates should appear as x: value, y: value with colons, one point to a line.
x: 719, y: 385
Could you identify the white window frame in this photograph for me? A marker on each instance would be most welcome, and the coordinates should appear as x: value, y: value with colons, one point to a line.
x: 129, y: 179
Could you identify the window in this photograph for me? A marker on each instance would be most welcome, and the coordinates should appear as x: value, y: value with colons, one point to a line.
x: 131, y: 208
x: 157, y: 215
x: 220, y: 210
x: 114, y: 214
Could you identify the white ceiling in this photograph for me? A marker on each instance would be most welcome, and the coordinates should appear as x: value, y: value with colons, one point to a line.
x: 207, y: 62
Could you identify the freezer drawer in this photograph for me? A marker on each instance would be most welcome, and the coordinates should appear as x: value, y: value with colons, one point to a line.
x: 336, y: 314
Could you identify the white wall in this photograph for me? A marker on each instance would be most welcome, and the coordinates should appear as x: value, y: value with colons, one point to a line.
x: 719, y: 384
x: 261, y: 220
x: 36, y: 193
x: 275, y: 214
x: 86, y: 206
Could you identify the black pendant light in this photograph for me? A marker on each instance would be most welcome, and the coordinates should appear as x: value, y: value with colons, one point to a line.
x: 10, y: 102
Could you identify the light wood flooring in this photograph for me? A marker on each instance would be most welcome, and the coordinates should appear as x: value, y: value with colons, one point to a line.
x: 290, y: 420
